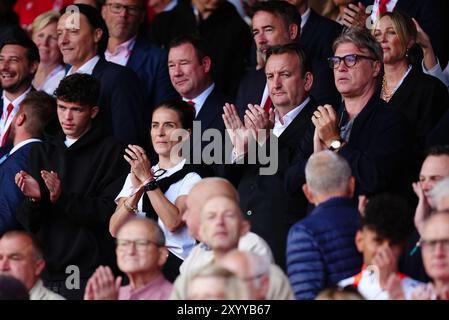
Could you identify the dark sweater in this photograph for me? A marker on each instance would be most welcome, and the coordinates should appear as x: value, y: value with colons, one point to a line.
x: 75, y: 230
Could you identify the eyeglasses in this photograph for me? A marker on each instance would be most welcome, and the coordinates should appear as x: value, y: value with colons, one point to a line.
x: 117, y: 8
x: 430, y: 245
x: 139, y: 244
x: 349, y: 59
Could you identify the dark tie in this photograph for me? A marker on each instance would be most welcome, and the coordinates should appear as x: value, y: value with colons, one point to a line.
x: 267, y: 105
x: 8, y: 113
x: 383, y: 6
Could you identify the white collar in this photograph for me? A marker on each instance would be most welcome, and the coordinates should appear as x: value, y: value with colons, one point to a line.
x: 305, y: 17
x: 21, y: 144
x: 87, y: 67
x: 16, y: 102
x: 170, y: 5
x: 201, y: 98
x: 171, y: 170
x: 291, y: 115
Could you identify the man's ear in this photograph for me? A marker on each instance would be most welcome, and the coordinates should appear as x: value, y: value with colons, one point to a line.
x: 98, y: 33
x: 33, y: 67
x: 207, y: 63
x: 308, y: 81
x: 308, y: 194
x: 377, y: 68
x: 40, y: 265
x: 20, y: 119
x: 94, y: 111
x: 351, y: 186
x: 163, y: 256
x: 244, y: 229
x: 359, y: 240
x: 293, y: 31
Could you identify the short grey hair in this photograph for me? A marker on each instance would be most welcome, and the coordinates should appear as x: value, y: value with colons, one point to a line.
x: 326, y: 173
x: 158, y: 234
x: 440, y: 191
x: 362, y: 39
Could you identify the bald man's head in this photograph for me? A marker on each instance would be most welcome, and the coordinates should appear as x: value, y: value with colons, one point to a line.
x: 200, y: 194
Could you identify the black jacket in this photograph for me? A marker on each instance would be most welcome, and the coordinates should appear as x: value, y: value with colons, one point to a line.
x: 75, y: 230
x: 263, y: 199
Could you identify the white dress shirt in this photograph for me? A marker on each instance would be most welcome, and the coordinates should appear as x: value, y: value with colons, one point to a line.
x: 201, y: 98
x: 5, y: 123
x: 87, y: 67
x: 281, y: 124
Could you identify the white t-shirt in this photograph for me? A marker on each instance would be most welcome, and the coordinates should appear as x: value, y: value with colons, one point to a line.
x: 180, y: 243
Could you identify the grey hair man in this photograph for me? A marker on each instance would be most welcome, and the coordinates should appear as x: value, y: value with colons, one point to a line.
x: 21, y: 257
x: 320, y: 248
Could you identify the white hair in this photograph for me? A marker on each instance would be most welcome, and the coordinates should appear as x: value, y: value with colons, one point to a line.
x: 327, y: 173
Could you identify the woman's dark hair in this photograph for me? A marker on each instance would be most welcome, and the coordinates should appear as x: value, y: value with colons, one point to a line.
x: 185, y: 111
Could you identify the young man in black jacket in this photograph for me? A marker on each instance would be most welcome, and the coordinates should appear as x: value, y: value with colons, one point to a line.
x: 70, y: 186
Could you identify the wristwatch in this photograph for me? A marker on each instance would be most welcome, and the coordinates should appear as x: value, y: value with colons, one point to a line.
x: 150, y: 186
x: 336, y: 144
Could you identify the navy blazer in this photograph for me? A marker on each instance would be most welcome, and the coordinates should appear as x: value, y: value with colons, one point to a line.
x: 149, y: 62
x: 327, y: 29
x: 121, y: 102
x: 321, y: 248
x: 378, y: 148
x: 10, y: 194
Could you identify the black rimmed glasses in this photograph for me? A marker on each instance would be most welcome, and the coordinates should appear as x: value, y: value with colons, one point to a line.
x: 117, y: 8
x: 350, y: 60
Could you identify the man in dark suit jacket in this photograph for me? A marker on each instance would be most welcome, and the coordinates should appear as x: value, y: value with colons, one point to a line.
x: 275, y: 23
x: 226, y: 35
x: 128, y: 47
x: 371, y: 136
x: 26, y: 129
x: 189, y: 67
x: 263, y: 199
x: 121, y: 93
x: 312, y: 24
x: 320, y: 248
x: 430, y: 15
x: 19, y: 58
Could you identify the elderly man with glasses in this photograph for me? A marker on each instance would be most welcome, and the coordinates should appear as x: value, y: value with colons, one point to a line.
x: 371, y: 136
x: 141, y: 254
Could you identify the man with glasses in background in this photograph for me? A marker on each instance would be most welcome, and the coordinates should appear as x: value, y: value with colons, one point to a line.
x: 128, y: 46
x: 141, y: 254
x: 372, y: 137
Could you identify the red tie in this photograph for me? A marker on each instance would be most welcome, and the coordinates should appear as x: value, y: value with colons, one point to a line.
x: 8, y: 112
x: 267, y: 105
x: 191, y: 103
x: 383, y: 6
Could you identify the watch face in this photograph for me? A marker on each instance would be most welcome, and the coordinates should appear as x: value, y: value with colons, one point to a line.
x: 336, y: 144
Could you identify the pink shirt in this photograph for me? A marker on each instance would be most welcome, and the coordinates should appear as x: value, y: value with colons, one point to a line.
x: 158, y: 289
x: 122, y: 52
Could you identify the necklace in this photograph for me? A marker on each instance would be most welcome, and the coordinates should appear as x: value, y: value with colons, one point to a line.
x: 386, y: 94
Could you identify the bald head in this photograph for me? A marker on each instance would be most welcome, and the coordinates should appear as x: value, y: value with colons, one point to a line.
x: 203, y: 191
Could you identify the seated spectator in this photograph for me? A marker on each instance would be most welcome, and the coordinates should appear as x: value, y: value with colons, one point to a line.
x: 159, y: 191
x: 435, y: 253
x: 21, y: 257
x: 51, y: 69
x: 26, y: 130
x: 216, y: 283
x: 320, y: 248
x: 12, y: 289
x: 372, y: 137
x: 141, y: 254
x: 251, y: 268
x: 422, y: 99
x: 201, y: 254
x: 221, y: 226
x: 381, y: 239
x: 70, y: 185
